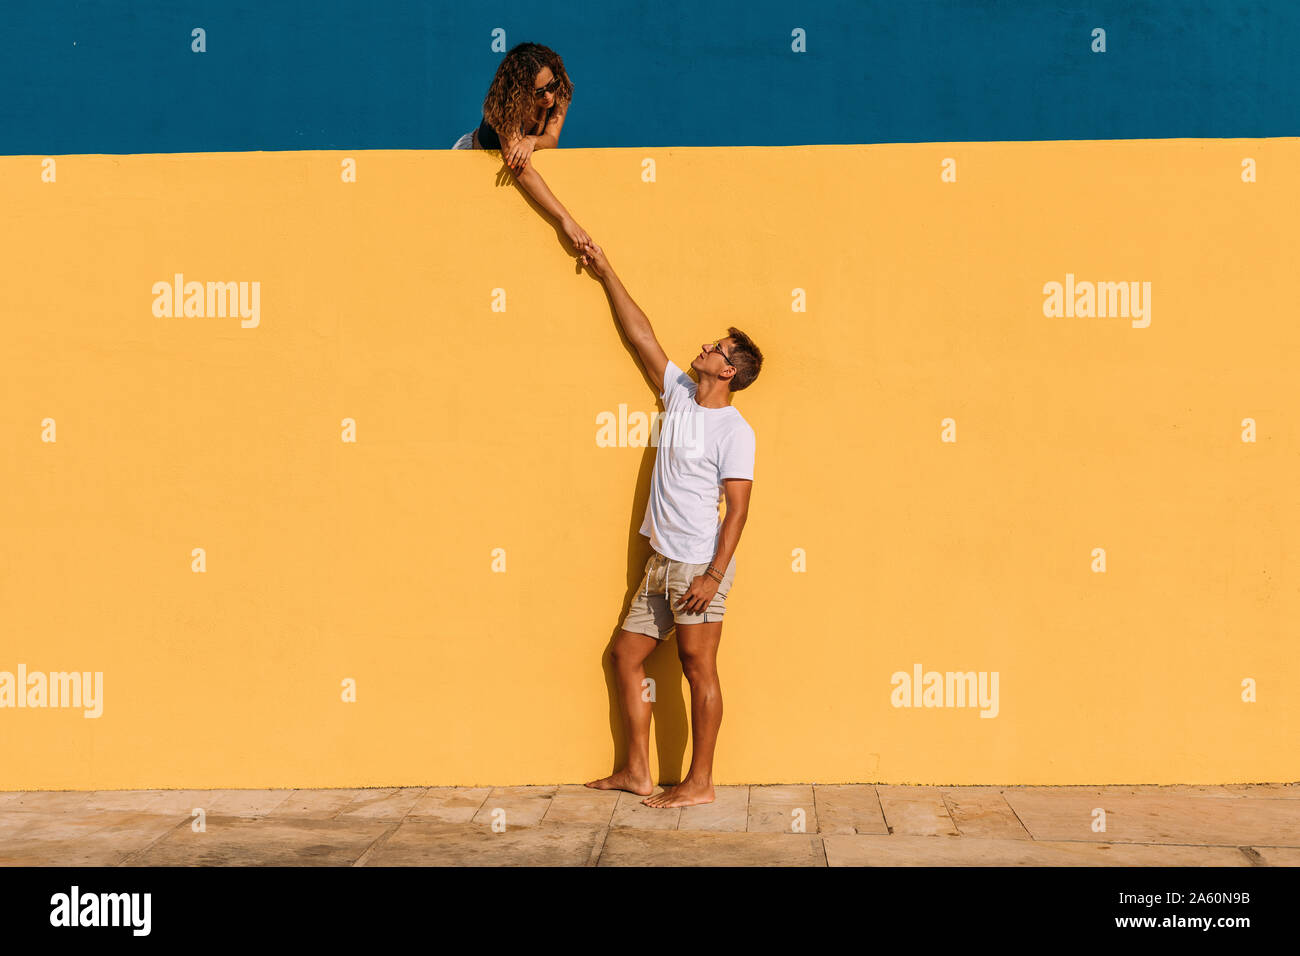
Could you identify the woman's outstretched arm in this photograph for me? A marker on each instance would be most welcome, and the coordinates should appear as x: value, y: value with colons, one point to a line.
x: 536, y: 187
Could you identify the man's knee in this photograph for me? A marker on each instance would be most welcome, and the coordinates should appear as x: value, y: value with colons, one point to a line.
x: 631, y: 648
x: 698, y: 667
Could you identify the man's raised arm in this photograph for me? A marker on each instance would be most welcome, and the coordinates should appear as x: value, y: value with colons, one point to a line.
x: 634, y: 322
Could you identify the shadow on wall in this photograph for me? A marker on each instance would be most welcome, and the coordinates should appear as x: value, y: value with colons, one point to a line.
x: 670, y: 721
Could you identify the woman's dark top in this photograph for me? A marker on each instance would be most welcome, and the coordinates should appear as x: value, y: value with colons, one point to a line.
x: 487, y: 136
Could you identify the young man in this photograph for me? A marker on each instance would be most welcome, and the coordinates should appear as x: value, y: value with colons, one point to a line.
x: 706, y: 451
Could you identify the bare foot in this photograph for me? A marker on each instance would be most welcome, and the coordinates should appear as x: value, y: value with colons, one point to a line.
x: 624, y: 780
x: 688, y: 793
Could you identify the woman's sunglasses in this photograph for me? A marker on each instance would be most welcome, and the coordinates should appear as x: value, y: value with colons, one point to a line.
x: 550, y: 87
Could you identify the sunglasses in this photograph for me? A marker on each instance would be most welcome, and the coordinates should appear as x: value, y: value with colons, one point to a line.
x: 550, y: 87
x: 717, y: 347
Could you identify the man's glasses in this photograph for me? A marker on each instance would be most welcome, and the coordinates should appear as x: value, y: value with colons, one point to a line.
x: 717, y: 347
x: 550, y: 87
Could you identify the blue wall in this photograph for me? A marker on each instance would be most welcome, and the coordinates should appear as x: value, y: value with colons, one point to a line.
x: 120, y: 77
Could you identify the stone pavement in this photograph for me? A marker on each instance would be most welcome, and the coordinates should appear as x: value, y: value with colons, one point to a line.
x: 788, y: 825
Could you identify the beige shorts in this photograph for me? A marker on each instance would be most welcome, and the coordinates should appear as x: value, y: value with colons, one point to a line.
x: 665, y: 583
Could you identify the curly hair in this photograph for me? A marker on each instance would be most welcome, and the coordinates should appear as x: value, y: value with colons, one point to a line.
x: 509, y: 103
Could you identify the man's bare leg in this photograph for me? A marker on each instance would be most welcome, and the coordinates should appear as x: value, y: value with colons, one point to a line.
x: 629, y: 654
x: 697, y: 646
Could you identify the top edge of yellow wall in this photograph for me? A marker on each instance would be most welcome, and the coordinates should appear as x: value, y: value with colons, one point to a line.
x: 349, y: 150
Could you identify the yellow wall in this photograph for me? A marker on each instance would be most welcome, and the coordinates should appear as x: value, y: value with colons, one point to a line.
x: 477, y: 430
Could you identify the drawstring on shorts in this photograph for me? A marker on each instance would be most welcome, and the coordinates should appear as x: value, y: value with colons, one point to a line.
x: 667, y: 567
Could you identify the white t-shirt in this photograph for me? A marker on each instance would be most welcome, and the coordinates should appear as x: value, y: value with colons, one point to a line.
x: 698, y: 447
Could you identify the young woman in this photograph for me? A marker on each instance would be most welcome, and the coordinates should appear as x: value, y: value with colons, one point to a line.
x: 524, y: 110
